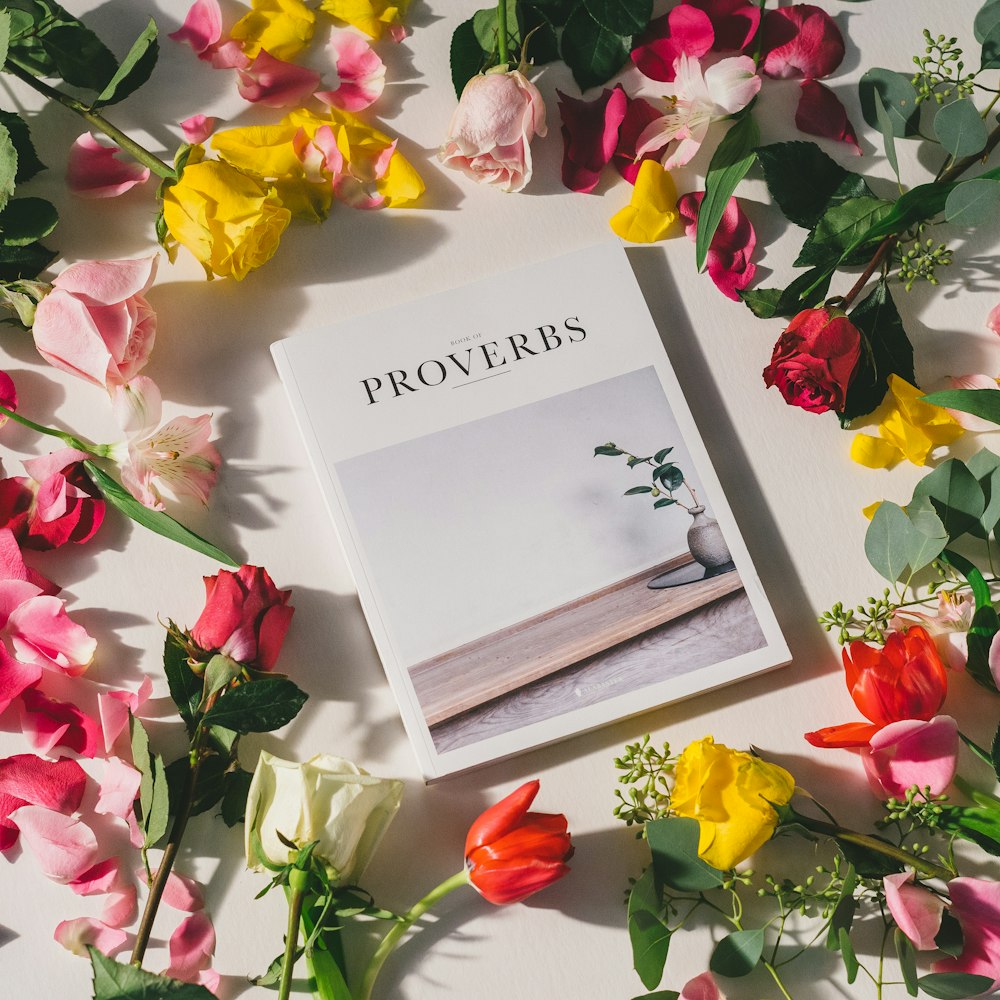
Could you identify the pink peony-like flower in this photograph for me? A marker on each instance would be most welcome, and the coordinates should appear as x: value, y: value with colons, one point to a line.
x: 800, y: 41
x: 814, y: 360
x: 590, y: 136
x: 685, y: 31
x: 359, y: 71
x: 94, y: 170
x: 912, y: 752
x: 917, y: 911
x: 490, y: 135
x: 975, y: 903
x: 728, y: 259
x: 820, y: 112
x: 96, y: 323
x: 275, y: 83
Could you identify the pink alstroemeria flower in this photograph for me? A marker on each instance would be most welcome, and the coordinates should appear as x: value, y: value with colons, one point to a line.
x: 912, y: 752
x: 275, y: 83
x: 700, y: 99
x: 94, y: 170
x: 975, y: 903
x: 686, y: 30
x: 176, y: 456
x: 359, y: 71
x: 948, y: 626
x: 917, y: 911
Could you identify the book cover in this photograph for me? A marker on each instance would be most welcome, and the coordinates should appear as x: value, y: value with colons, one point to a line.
x: 538, y: 538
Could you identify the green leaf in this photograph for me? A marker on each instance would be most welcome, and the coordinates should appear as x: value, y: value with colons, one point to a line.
x: 645, y: 894
x: 540, y: 44
x: 972, y: 202
x: 888, y: 541
x: 985, y: 625
x: 868, y: 862
x: 660, y: 995
x: 673, y: 842
x: 983, y: 403
x: 898, y: 97
x: 973, y: 823
x: 223, y: 740
x: 851, y: 964
x: 841, y: 227
x: 209, y: 788
x: 664, y: 502
x: 985, y: 466
x: 135, y: 69
x: 634, y: 461
x: 4, y: 35
x: 670, y: 476
x: 932, y: 536
x: 806, y: 290
x: 885, y: 350
x: 154, y: 520
x: 79, y: 56
x: 949, y: 937
x: 234, y: 802
x: 593, y: 53
x: 650, y: 939
x: 28, y: 163
x: 272, y: 975
x: 154, y: 794
x: 467, y: 56
x: 636, y: 490
x: 219, y: 672
x: 991, y: 49
x: 185, y: 686
x: 907, y: 961
x: 738, y: 953
x: 257, y: 706
x: 485, y: 24
x: 27, y: 220
x: 956, y: 495
x: 959, y: 128
x: 987, y: 18
x: 954, y: 985
x: 885, y: 127
x: 624, y: 17
x: 557, y: 11
x: 24, y: 262
x: 843, y: 910
x: 114, y: 981
x: 730, y: 163
x: 608, y: 449
x: 8, y: 166
x: 661, y: 455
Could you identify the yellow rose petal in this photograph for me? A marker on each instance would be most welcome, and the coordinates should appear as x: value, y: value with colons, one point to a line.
x: 652, y: 211
x: 282, y: 27
x: 370, y: 16
x: 869, y: 511
x: 874, y: 452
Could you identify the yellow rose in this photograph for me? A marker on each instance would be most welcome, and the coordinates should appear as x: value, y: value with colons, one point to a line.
x: 231, y: 222
x: 282, y: 27
x: 370, y: 16
x: 731, y: 794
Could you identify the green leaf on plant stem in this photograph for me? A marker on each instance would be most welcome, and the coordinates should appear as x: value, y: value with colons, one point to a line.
x: 991, y: 49
x: 234, y: 802
x: 851, y: 964
x: 8, y: 166
x: 959, y: 128
x: 898, y: 97
x: 257, y: 707
x: 154, y: 520
x: 972, y: 202
x: 985, y: 466
x: 593, y: 53
x: 645, y: 894
x: 4, y: 35
x: 843, y: 910
x: 660, y: 995
x: 209, y: 787
x: 954, y: 985
x: 154, y: 794
x: 486, y: 27
x: 636, y: 490
x: 540, y: 44
x: 664, y: 502
x: 624, y: 17
x: 949, y: 937
x: 673, y: 842
x: 737, y: 954
x: 24, y: 261
x: 219, y: 672
x: 650, y: 938
x: 987, y: 18
x: 932, y: 534
x: 983, y: 403
x: 956, y: 495
x: 885, y: 351
x: 27, y: 220
x: 608, y: 449
x: 114, y: 981
x: 185, y: 686
x: 661, y: 455
x: 868, y: 862
x: 907, y: 961
x: 806, y: 290
x: 28, y: 163
x: 635, y: 460
x: 467, y: 56
x: 135, y: 69
x: 557, y: 11
x: 79, y: 56
x: 888, y: 541
x: 730, y: 163
x: 840, y: 228
x: 976, y: 824
x: 885, y: 127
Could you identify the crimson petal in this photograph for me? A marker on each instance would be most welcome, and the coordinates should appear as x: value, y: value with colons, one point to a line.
x: 820, y: 113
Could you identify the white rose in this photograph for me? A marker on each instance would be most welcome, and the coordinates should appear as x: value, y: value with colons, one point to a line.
x: 326, y: 799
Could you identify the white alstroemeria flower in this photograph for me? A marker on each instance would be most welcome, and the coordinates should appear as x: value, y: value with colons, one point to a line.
x: 699, y: 99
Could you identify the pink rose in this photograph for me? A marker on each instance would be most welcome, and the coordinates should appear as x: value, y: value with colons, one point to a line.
x: 96, y: 322
x: 245, y: 617
x: 814, y: 360
x: 491, y: 131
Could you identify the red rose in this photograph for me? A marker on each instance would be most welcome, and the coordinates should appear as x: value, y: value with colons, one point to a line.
x: 814, y: 360
x: 245, y: 617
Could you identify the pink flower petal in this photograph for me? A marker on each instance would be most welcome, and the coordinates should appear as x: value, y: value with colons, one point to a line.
x: 968, y: 420
x: 198, y: 128
x: 102, y: 878
x: 49, y: 723
x: 108, y: 282
x: 181, y: 892
x: 976, y: 905
x: 120, y: 907
x: 75, y: 935
x: 45, y: 466
x: 590, y: 136
x: 202, y: 27
x: 13, y: 568
x: 685, y: 30
x: 54, y: 784
x: 15, y: 677
x: 701, y: 988
x: 209, y: 978
x: 732, y: 83
x: 137, y: 406
x: 917, y: 911
x: 820, y: 112
x: 275, y: 83
x: 912, y: 752
x: 43, y: 634
x: 64, y: 847
x: 728, y: 260
x: 638, y: 116
x: 227, y: 55
x: 800, y: 41
x: 119, y: 788
x: 8, y: 828
x: 992, y: 321
x: 735, y: 22
x: 114, y: 708
x: 360, y: 72
x: 191, y: 947
x: 994, y: 659
x: 8, y: 394
x: 93, y: 171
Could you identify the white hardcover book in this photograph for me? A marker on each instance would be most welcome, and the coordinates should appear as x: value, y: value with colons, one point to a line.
x: 539, y: 541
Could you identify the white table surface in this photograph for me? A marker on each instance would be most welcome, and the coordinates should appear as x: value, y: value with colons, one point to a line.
x: 795, y: 493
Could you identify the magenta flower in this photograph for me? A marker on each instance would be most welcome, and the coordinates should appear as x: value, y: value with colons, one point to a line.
x: 94, y: 170
x: 800, y: 41
x: 735, y: 22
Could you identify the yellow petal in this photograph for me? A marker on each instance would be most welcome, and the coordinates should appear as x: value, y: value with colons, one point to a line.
x: 869, y: 511
x: 401, y: 183
x: 370, y: 16
x: 283, y: 27
x: 264, y: 150
x: 652, y: 211
x: 874, y: 452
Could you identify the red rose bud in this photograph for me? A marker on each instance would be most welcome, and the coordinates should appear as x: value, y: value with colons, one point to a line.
x: 245, y: 617
x: 511, y: 853
x: 814, y: 360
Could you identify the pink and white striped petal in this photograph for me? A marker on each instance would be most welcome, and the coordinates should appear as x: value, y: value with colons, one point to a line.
x: 94, y: 171
x: 275, y: 83
x: 75, y: 935
x: 359, y: 71
x: 64, y: 847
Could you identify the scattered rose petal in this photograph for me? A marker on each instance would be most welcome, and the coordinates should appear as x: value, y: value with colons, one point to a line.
x: 820, y: 112
x: 64, y: 847
x: 75, y: 935
x: 227, y: 55
x: 120, y: 907
x: 735, y: 22
x: 43, y: 634
x: 12, y: 565
x: 701, y: 988
x: 912, y: 752
x: 590, y: 136
x: 118, y: 788
x: 975, y: 904
x: 198, y: 128
x: 49, y: 723
x: 209, y: 978
x: 638, y: 115
x: 54, y: 784
x: 917, y: 911
x: 684, y: 31
x: 8, y: 828
x: 360, y: 73
x: 801, y: 40
x: 276, y: 84
x: 15, y: 677
x: 202, y: 27
x: 93, y: 170
x: 993, y: 320
x: 191, y: 947
x: 102, y: 878
x: 728, y: 260
x: 114, y: 708
x: 181, y: 892
x: 8, y: 395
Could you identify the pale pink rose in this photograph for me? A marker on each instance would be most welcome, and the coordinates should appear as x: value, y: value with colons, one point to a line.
x: 93, y: 170
x: 948, y: 626
x: 917, y: 911
x: 275, y: 83
x: 912, y: 752
x: 96, y: 322
x: 491, y: 131
x: 359, y: 71
x: 975, y: 903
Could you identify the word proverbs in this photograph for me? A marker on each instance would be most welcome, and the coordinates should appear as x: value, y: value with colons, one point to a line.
x: 473, y: 361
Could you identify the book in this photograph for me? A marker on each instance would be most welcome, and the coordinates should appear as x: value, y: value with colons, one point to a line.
x: 539, y: 541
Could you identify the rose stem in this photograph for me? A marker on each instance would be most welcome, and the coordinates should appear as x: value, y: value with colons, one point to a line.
x: 297, y: 882
x: 395, y: 935
x: 502, y: 31
x: 143, y: 155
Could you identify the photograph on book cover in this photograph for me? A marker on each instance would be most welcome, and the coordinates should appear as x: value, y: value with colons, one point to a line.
x: 518, y: 584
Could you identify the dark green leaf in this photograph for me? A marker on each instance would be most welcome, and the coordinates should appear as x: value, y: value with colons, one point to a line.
x: 885, y: 351
x: 987, y: 18
x: 650, y: 938
x: 972, y: 202
x: 985, y: 466
x: 983, y: 403
x: 79, y: 56
x: 185, y: 686
x: 976, y: 824
x: 730, y: 163
x: 608, y: 449
x: 885, y: 127
x: 486, y: 28
x: 114, y: 981
x: 985, y: 625
x: 636, y: 490
x: 154, y: 793
x: 258, y: 706
x: 634, y: 461
x: 467, y: 56
x: 8, y: 166
x: 949, y: 937
x: 664, y: 502
x: 840, y: 228
x: 219, y: 672
x: 673, y: 842
x: 957, y: 497
x: 24, y: 262
x: 670, y: 476
x: 954, y: 985
x: 593, y: 53
x: 851, y: 965
x: 738, y: 953
x: 135, y: 69
x: 806, y: 290
x: 234, y: 802
x: 959, y: 128
x: 660, y: 995
x: 907, y: 961
x: 154, y: 520
x: 4, y: 35
x: 843, y: 910
x: 868, y: 862
x: 222, y: 739
x: 540, y: 44
x: 27, y: 220
x: 28, y: 163
x: 272, y: 975
x: 645, y: 894
x: 991, y: 49
x: 557, y: 11
x: 898, y: 97
x: 210, y: 785
x: 624, y: 17
x: 661, y: 455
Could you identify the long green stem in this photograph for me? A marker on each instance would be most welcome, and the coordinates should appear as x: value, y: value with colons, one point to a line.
x: 502, y: 31
x: 297, y: 882
x: 100, y: 450
x: 777, y: 979
x: 396, y: 934
x: 97, y: 121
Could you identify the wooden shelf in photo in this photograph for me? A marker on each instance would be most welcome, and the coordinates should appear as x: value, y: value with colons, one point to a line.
x: 473, y: 674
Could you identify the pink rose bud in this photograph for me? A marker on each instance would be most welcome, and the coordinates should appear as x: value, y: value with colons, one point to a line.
x: 491, y: 131
x: 814, y: 360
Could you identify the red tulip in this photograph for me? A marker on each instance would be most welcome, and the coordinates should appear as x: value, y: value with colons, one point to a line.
x: 511, y: 853
x: 905, y: 679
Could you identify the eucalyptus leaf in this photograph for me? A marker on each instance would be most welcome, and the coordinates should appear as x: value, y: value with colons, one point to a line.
x: 956, y: 495
x: 850, y: 959
x: 592, y: 53
x: 986, y: 19
x: 898, y: 97
x: 114, y: 981
x: 737, y: 954
x: 991, y: 49
x: 931, y: 534
x: 972, y: 202
x: 650, y: 939
x: 959, y: 128
x: 954, y: 985
x: 258, y: 706
x: 673, y: 842
x: 636, y: 490
x: 885, y: 127
x: 624, y: 17
x: 888, y: 541
x: 135, y: 68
